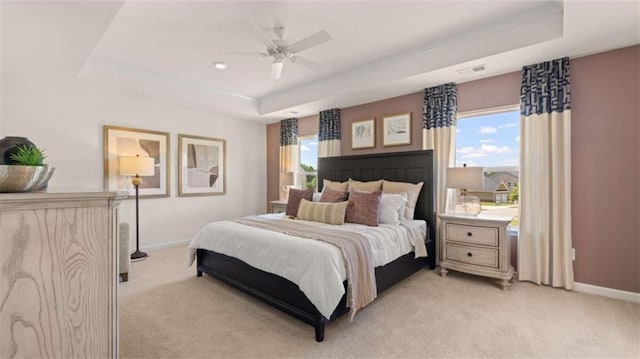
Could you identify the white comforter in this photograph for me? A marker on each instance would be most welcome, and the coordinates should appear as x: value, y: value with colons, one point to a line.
x: 315, y: 266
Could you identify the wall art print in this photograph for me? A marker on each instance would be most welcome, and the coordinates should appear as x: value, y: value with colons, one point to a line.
x: 396, y: 129
x: 123, y: 141
x: 363, y: 134
x: 201, y: 166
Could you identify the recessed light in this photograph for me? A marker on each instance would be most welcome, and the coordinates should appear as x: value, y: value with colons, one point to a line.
x: 290, y: 113
x: 220, y: 65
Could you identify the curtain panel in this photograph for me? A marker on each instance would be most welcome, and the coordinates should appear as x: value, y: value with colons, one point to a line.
x: 439, y: 134
x: 329, y: 133
x: 289, y: 161
x: 545, y: 242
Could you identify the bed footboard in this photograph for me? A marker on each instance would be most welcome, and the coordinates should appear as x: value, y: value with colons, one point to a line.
x: 284, y: 294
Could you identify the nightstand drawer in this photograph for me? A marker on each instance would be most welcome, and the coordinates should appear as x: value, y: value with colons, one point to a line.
x: 478, y: 256
x: 472, y: 234
x: 278, y: 207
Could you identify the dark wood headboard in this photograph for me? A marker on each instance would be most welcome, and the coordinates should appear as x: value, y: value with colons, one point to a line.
x: 412, y: 167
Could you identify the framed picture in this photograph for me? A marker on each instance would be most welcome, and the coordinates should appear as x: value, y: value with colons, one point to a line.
x: 363, y: 134
x: 396, y: 129
x: 201, y: 166
x: 121, y: 141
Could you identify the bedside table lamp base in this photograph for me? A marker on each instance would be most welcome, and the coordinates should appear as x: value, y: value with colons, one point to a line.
x: 467, y: 205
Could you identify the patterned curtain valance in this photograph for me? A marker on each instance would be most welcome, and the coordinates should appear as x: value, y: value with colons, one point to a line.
x: 289, y: 132
x: 545, y: 87
x: 329, y: 125
x: 440, y: 106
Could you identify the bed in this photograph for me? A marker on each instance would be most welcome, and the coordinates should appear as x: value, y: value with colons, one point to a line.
x: 413, y: 167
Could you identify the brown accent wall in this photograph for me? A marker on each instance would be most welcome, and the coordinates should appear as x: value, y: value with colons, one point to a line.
x: 273, y: 162
x: 605, y: 90
x: 402, y: 104
x: 497, y: 91
x: 605, y: 133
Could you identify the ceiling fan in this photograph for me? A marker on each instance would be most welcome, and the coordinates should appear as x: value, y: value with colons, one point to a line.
x: 280, y: 50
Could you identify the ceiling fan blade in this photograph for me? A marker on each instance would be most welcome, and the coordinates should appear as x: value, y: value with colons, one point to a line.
x: 303, y: 61
x: 262, y: 54
x: 276, y: 70
x: 264, y: 37
x: 316, y: 39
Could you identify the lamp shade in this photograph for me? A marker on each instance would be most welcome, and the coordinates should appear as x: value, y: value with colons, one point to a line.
x: 465, y: 177
x: 287, y: 178
x: 136, y: 165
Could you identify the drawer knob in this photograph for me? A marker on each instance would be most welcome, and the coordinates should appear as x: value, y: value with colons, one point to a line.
x: 469, y: 234
x: 470, y: 254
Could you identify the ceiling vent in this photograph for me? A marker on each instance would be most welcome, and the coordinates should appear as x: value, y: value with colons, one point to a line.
x: 472, y: 69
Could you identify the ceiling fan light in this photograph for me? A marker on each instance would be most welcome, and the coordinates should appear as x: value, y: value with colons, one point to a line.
x: 220, y: 65
x: 276, y: 70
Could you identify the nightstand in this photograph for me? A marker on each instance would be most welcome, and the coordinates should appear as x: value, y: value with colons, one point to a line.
x: 476, y: 245
x: 277, y: 206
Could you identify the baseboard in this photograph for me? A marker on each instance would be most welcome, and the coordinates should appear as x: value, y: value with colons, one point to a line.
x: 164, y: 245
x: 607, y: 292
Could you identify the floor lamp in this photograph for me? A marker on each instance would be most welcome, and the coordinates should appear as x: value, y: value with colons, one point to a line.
x: 137, y: 166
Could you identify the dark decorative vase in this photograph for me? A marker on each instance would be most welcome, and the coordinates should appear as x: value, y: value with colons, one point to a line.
x: 9, y: 145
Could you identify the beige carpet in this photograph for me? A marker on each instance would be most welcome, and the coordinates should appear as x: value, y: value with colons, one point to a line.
x: 165, y: 311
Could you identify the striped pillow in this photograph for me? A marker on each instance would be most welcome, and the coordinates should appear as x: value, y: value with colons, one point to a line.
x: 324, y: 212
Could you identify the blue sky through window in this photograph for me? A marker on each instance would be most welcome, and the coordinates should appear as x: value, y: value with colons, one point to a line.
x: 489, y: 140
x: 309, y: 151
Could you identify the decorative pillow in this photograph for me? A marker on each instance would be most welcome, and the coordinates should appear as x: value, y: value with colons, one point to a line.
x: 316, y: 196
x: 412, y: 191
x: 332, y: 195
x: 295, y: 195
x: 330, y: 213
x: 392, y: 208
x: 364, y: 207
x: 371, y: 186
x: 338, y: 186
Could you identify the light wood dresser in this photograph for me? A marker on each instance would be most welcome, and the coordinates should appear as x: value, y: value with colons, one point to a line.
x: 58, y: 274
x: 477, y: 245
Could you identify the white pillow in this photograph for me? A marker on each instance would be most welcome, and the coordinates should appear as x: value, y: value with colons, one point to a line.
x: 412, y: 191
x: 316, y: 196
x: 392, y: 208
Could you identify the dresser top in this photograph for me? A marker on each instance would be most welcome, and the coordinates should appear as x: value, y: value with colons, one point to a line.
x: 57, y: 195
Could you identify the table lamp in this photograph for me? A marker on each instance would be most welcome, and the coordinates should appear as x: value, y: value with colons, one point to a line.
x: 286, y: 179
x: 137, y: 166
x: 463, y: 179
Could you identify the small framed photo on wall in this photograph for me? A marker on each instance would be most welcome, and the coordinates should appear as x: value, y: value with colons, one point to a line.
x: 201, y: 166
x: 123, y: 142
x: 363, y: 134
x: 396, y: 129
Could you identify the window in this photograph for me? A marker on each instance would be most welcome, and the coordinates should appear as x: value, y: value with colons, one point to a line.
x: 491, y: 139
x: 308, y: 175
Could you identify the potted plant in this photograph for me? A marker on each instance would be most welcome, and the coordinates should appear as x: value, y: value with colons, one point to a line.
x: 26, y: 171
x: 28, y: 156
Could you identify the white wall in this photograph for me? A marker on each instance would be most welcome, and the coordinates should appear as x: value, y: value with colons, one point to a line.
x: 65, y: 116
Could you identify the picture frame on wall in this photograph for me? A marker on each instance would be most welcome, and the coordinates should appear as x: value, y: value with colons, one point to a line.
x: 363, y: 134
x: 125, y: 142
x: 396, y: 129
x: 201, y: 166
